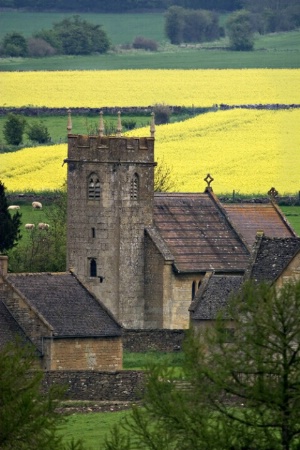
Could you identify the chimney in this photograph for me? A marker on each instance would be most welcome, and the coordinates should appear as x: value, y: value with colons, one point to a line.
x: 3, y: 265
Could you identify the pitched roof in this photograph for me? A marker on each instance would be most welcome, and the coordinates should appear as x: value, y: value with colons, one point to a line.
x: 214, y: 296
x: 198, y: 234
x: 272, y: 256
x: 9, y: 328
x: 69, y: 308
x: 248, y: 218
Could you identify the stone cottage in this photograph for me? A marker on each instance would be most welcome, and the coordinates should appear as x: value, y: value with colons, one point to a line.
x: 69, y: 327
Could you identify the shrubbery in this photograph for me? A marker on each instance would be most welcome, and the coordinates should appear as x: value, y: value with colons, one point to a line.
x: 144, y: 43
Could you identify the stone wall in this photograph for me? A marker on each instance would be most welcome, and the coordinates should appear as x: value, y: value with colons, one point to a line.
x: 98, y: 386
x: 153, y: 340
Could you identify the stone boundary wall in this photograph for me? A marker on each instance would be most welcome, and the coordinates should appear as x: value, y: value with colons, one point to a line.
x: 147, y: 110
x: 124, y: 385
x: 153, y: 340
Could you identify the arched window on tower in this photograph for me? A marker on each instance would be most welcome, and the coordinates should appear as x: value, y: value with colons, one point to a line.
x: 94, y: 187
x: 93, y: 268
x: 134, y: 187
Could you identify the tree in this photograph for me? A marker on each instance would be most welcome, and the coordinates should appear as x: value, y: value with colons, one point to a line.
x: 174, y: 24
x: 44, y: 250
x: 13, y: 129
x: 14, y: 44
x: 38, y: 132
x: 239, y: 30
x: 237, y: 395
x: 28, y: 416
x: 79, y: 37
x: 163, y: 180
x: 9, y: 225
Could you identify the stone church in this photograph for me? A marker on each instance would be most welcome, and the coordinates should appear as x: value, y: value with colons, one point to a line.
x: 138, y: 259
x: 146, y: 254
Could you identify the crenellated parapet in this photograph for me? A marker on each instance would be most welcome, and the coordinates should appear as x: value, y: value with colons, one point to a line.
x: 110, y: 148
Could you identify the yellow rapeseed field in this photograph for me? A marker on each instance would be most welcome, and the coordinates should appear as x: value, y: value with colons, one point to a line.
x: 248, y: 151
x: 147, y: 87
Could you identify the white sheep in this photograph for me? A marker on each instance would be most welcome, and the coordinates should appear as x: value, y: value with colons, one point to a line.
x: 37, y: 205
x: 43, y: 226
x: 14, y: 207
x: 29, y: 226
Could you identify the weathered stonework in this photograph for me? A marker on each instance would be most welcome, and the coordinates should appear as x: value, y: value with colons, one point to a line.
x: 108, y: 230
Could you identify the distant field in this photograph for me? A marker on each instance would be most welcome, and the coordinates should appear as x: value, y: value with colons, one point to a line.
x: 247, y: 151
x: 280, y: 50
x: 148, y: 87
x: 120, y: 28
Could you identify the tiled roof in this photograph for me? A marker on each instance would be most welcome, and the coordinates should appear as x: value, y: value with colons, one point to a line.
x: 272, y: 257
x: 248, y: 218
x: 215, y: 295
x: 198, y: 234
x: 65, y: 304
x: 9, y: 328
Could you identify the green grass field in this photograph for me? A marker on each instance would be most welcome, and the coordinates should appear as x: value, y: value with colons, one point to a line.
x: 278, y: 50
x: 84, y: 124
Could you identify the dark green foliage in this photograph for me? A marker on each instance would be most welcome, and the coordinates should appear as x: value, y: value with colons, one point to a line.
x: 28, y: 419
x: 187, y: 25
x: 45, y: 250
x: 14, y: 44
x: 162, y: 113
x: 240, y: 31
x: 243, y: 395
x: 38, y: 132
x: 129, y: 124
x: 13, y: 129
x: 9, y: 224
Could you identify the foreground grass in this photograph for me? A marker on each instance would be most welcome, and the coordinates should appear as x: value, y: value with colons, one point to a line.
x: 91, y: 428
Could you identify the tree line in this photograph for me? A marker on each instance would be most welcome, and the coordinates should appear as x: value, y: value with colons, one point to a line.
x: 120, y: 6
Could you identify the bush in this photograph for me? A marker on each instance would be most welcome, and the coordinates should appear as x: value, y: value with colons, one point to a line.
x: 144, y: 43
x: 38, y: 48
x: 38, y: 132
x: 13, y: 129
x: 129, y: 124
x: 162, y: 113
x: 14, y: 44
x: 240, y: 31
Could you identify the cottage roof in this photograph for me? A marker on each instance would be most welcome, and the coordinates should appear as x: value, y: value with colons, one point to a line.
x: 69, y: 308
x: 214, y: 296
x: 249, y: 218
x: 198, y: 233
x: 272, y: 256
x: 9, y: 328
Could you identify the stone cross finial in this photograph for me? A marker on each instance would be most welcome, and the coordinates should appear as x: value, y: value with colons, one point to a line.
x: 101, y: 125
x: 208, y: 180
x: 119, y: 126
x: 69, y: 125
x: 152, y: 125
x: 273, y: 194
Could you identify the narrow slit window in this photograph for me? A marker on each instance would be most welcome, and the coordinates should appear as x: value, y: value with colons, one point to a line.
x: 193, y: 289
x: 134, y: 187
x: 93, y: 268
x: 94, y: 188
x: 93, y: 232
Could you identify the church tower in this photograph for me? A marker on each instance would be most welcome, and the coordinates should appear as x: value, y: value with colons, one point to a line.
x: 110, y: 202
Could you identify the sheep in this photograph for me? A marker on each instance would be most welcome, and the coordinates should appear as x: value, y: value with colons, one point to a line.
x: 29, y: 226
x: 14, y: 207
x: 43, y: 226
x: 37, y: 205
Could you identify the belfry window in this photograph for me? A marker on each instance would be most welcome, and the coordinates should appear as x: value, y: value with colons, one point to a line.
x: 134, y: 187
x: 94, y: 188
x: 93, y: 268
